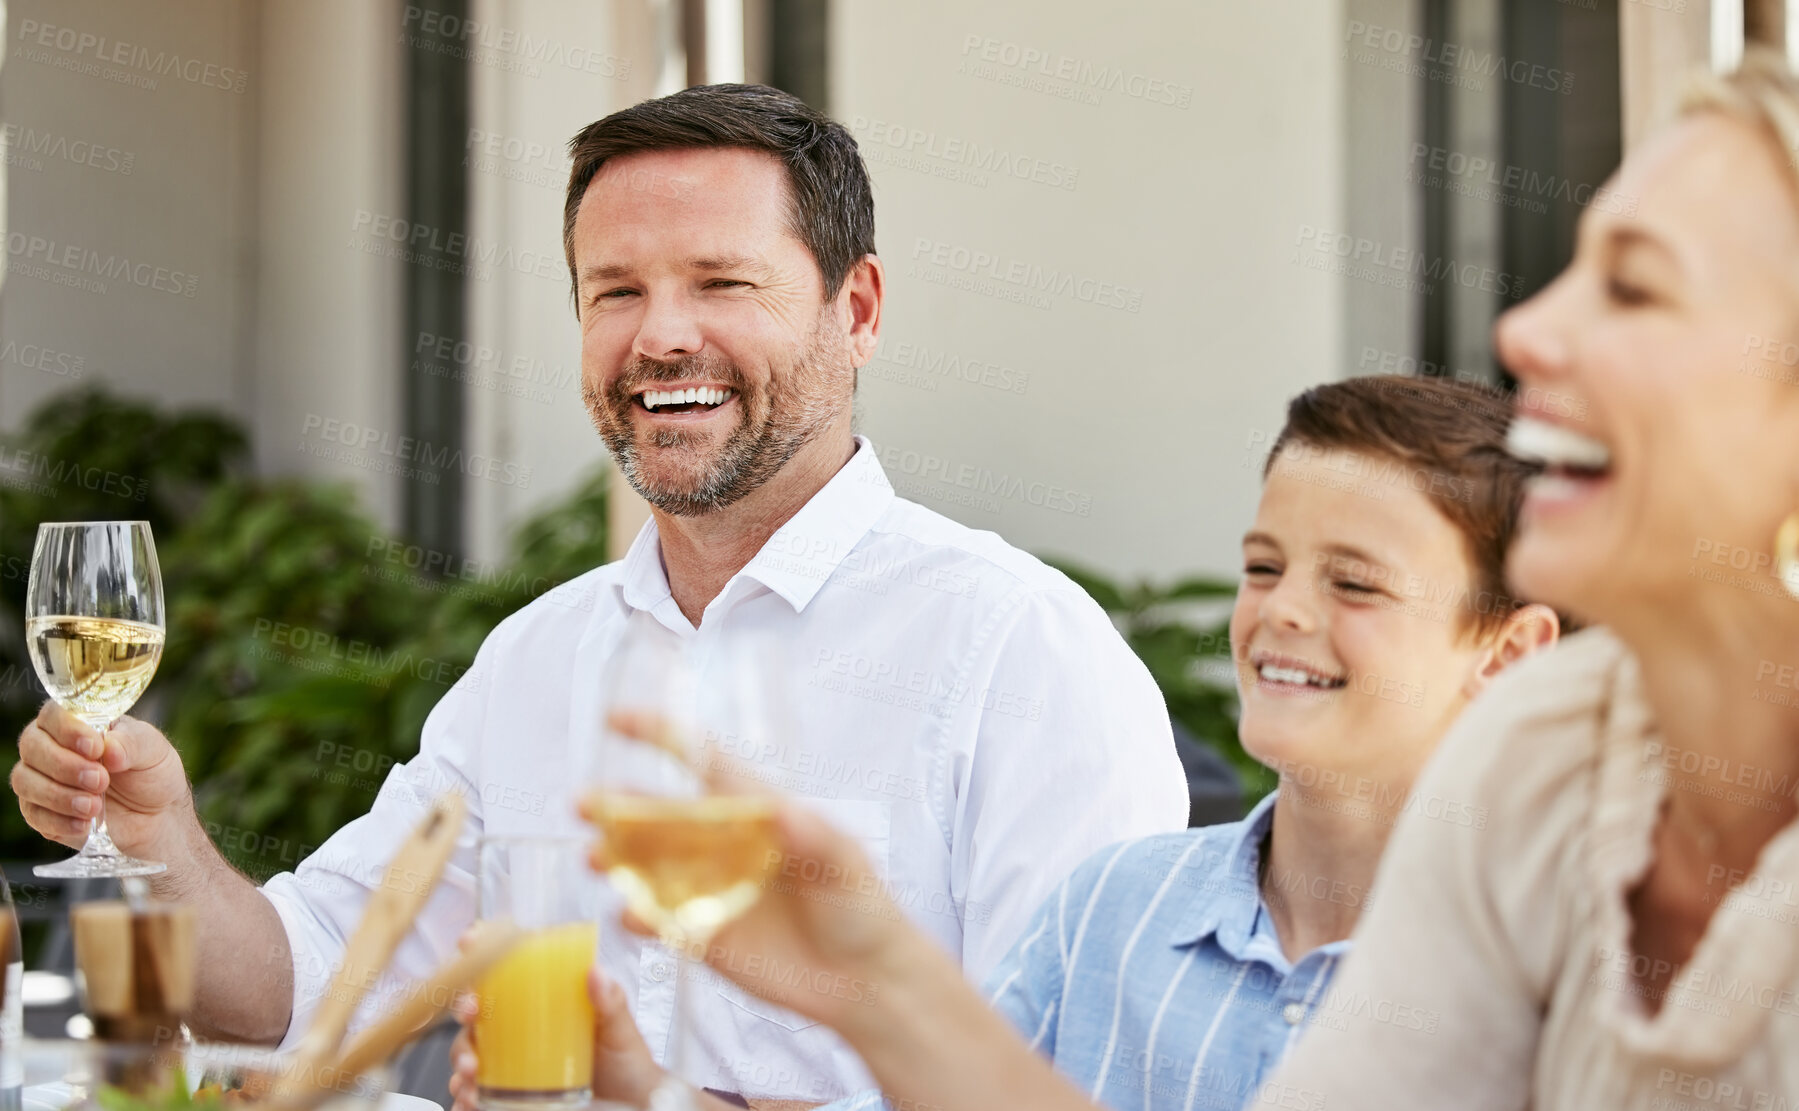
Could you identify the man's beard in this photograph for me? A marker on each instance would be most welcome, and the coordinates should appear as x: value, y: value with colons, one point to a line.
x: 776, y: 421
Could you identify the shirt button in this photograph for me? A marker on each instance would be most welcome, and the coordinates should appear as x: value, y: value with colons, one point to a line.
x: 659, y: 972
x: 1294, y: 1013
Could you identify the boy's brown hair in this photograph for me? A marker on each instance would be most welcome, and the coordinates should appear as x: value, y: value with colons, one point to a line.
x: 1451, y: 438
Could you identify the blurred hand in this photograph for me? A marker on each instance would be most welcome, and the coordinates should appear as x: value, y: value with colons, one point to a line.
x: 64, y: 771
x: 464, y: 1066
x: 824, y: 936
x: 623, y: 1070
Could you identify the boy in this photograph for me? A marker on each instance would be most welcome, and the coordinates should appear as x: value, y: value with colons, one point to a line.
x: 1175, y: 971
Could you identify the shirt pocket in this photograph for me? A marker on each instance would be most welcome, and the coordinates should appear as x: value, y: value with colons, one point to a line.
x: 870, y: 823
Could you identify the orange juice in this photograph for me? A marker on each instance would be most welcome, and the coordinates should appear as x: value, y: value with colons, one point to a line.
x: 534, y: 1032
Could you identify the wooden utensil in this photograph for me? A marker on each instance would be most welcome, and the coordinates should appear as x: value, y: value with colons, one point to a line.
x: 405, y: 885
x: 485, y: 945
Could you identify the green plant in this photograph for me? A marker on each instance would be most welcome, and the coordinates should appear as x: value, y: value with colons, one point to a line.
x: 299, y: 633
x: 1189, y: 656
x: 309, y: 647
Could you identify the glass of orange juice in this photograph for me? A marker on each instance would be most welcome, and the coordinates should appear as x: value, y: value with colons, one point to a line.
x: 534, y: 1025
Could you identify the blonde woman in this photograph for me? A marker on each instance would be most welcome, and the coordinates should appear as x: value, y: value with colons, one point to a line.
x: 1624, y: 932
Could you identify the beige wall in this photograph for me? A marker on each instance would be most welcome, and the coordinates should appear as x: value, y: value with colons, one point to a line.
x: 1124, y: 437
x: 128, y: 201
x: 524, y: 394
x: 228, y: 147
x: 329, y: 313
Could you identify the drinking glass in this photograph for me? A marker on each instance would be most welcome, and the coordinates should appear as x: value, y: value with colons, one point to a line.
x: 94, y: 629
x: 534, y: 1027
x: 12, y: 1001
x: 138, y: 961
x: 688, y: 852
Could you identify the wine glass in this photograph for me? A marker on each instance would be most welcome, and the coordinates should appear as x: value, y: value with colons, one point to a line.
x: 686, y: 845
x: 12, y: 1000
x: 94, y: 628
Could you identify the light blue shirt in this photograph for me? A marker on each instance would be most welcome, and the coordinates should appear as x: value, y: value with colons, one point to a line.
x: 1154, y: 980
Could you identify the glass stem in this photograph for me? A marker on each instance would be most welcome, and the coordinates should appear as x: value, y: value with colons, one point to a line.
x: 673, y: 1094
x: 677, y: 1046
x: 99, y: 842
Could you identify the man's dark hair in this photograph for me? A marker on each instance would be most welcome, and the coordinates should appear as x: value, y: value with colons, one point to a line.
x: 1450, y: 433
x: 831, y: 207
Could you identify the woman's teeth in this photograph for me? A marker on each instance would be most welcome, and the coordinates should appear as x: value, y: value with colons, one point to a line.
x: 662, y: 399
x: 1269, y: 673
x: 1556, y: 447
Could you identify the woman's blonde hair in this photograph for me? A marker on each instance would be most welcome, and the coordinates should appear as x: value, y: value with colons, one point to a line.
x: 1762, y: 92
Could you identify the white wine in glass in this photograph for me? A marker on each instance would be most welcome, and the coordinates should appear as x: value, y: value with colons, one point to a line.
x: 687, y: 867
x: 94, y: 630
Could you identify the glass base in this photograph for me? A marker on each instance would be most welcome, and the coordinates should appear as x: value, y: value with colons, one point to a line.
x: 673, y: 1095
x: 99, y: 866
x: 530, y: 1099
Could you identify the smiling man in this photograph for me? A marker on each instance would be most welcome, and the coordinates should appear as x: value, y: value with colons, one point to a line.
x: 966, y: 712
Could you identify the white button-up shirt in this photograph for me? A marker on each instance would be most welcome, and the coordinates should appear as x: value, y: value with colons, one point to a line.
x: 967, y: 713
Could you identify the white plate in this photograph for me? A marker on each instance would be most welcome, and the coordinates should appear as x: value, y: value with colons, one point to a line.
x: 55, y: 1097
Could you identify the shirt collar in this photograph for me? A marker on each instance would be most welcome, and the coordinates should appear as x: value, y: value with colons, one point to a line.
x: 801, y: 555
x: 1230, y: 902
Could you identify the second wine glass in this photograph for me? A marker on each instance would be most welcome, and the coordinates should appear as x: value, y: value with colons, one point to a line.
x: 688, y: 851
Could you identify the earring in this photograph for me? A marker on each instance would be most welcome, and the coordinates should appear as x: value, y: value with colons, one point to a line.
x: 1786, y: 554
